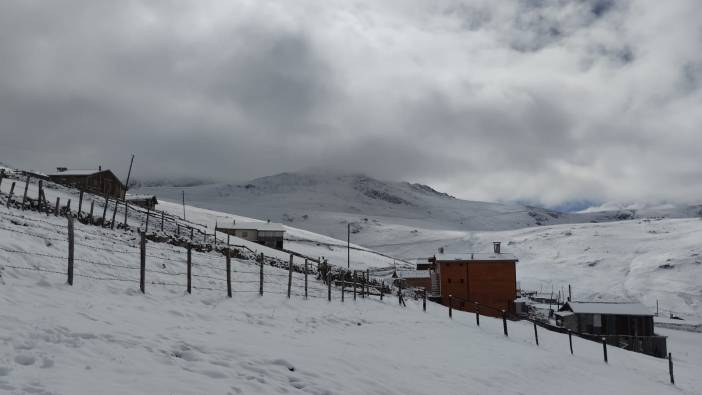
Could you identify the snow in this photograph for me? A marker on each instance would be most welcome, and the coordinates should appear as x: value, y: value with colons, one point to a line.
x: 261, y: 226
x: 106, y: 337
x: 477, y: 256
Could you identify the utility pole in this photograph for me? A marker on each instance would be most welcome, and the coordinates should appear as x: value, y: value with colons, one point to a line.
x: 348, y: 245
x: 126, y: 186
x: 183, y: 205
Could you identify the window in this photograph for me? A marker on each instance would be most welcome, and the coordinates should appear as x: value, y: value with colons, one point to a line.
x: 461, y: 281
x: 449, y: 281
x: 244, y: 234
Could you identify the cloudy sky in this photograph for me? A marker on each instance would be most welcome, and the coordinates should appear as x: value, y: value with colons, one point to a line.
x: 541, y: 100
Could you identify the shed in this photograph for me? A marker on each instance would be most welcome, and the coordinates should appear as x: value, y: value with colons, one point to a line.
x: 266, y: 233
x: 606, y: 318
x: 414, y: 278
x: 98, y: 181
x: 145, y: 201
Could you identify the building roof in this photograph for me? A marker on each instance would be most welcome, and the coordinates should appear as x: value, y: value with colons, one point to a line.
x: 140, y: 197
x: 607, y: 308
x: 476, y: 257
x: 261, y: 226
x: 413, y: 273
x: 77, y: 172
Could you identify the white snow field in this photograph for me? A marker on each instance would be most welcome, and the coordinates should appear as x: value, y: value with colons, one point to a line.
x: 102, y: 335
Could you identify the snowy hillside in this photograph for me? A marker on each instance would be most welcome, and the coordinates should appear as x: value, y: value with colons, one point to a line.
x: 643, y: 260
x: 101, y: 335
x: 324, y: 203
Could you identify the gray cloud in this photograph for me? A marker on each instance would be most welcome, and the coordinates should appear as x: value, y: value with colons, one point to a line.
x: 547, y: 101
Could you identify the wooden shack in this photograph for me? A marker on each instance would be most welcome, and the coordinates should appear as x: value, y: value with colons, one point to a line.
x: 487, y: 278
x: 146, y: 201
x: 266, y: 233
x: 98, y: 181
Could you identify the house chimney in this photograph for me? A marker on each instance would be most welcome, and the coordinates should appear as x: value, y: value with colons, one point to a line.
x: 496, y: 247
x: 61, y: 169
x: 441, y: 250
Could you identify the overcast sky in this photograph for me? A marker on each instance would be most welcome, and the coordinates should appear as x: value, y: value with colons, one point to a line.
x: 541, y: 100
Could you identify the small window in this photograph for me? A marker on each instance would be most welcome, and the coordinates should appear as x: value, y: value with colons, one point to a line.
x: 244, y: 234
x: 461, y: 281
x: 449, y: 281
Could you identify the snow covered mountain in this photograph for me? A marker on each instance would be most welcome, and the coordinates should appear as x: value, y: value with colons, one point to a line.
x: 325, y: 203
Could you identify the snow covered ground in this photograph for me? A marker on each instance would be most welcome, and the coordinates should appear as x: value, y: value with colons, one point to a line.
x: 103, y: 336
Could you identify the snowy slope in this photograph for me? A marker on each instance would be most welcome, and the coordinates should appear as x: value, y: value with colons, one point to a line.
x: 643, y: 260
x: 103, y: 336
x: 324, y: 203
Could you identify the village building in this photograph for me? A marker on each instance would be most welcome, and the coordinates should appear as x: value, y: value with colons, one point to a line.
x: 148, y: 202
x: 489, y: 279
x: 266, y: 233
x: 606, y: 318
x: 626, y: 325
x: 98, y: 181
x: 413, y: 278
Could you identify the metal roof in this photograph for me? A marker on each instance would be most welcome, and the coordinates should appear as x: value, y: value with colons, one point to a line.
x: 263, y: 226
x: 140, y: 197
x: 476, y: 257
x: 607, y: 308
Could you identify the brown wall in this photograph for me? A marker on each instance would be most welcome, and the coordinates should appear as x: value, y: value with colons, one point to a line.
x: 490, y: 283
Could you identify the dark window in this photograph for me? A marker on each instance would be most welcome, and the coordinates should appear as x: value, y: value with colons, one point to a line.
x: 461, y: 281
x: 449, y: 281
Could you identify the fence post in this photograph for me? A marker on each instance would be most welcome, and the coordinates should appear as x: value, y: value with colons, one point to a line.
x: 477, y: 313
x: 260, y: 283
x: 56, y: 209
x: 9, y: 197
x: 570, y: 341
x: 354, y: 285
x: 670, y: 368
x: 363, y: 285
x: 504, y: 322
x: 382, y: 289
x: 229, y: 272
x: 329, y: 277
x: 450, y: 303
x: 343, y: 285
x: 424, y: 300
x: 148, y: 214
x: 24, y: 197
x: 163, y: 218
x: 190, y: 267
x: 604, y: 348
x: 40, y: 194
x: 80, y: 202
x: 70, y: 250
x: 92, y: 206
x: 2, y: 176
x: 305, y: 274
x: 68, y: 207
x: 114, y: 215
x: 178, y: 228
x: 142, y: 269
x: 290, y: 265
x: 536, y: 334
x: 104, y: 211
x: 126, y: 210
x: 368, y: 282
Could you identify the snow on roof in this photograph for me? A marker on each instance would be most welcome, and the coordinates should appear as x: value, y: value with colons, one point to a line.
x: 476, y: 257
x: 264, y: 226
x: 607, y: 308
x: 77, y: 172
x: 140, y: 197
x: 413, y: 273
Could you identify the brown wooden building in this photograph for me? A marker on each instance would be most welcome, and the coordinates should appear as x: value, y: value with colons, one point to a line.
x: 489, y: 279
x: 95, y: 181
